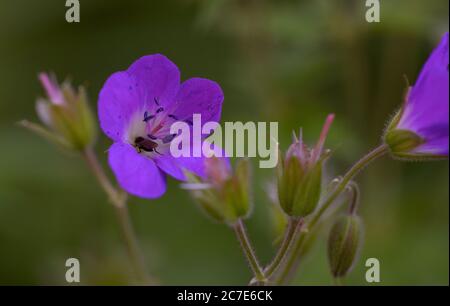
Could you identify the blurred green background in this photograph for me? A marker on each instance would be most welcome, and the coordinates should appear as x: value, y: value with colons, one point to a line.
x: 286, y: 61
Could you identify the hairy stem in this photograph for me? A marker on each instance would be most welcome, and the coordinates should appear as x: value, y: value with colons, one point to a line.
x: 284, y: 272
x: 118, y: 200
x: 290, y: 232
x: 241, y: 235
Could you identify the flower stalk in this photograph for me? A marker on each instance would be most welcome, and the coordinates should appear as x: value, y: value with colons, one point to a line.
x: 118, y: 199
x: 241, y: 235
x: 292, y: 229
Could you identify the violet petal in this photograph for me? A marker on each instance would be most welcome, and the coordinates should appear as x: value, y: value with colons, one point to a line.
x: 157, y: 80
x: 135, y: 173
x: 199, y: 96
x: 118, y: 101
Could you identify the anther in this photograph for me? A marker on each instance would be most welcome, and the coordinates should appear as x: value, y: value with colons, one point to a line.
x: 168, y: 138
x: 147, y: 117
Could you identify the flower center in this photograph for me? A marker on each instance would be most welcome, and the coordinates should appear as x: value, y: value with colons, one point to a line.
x: 149, y: 130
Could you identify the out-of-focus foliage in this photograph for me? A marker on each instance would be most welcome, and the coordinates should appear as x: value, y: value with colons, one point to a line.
x: 286, y: 61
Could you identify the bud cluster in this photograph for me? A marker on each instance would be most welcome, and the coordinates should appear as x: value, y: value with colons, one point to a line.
x: 66, y: 115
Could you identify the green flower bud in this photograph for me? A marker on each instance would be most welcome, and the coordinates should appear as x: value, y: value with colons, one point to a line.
x: 222, y: 195
x: 300, y: 175
x: 67, y: 118
x: 308, y: 193
x: 343, y: 244
x: 289, y: 175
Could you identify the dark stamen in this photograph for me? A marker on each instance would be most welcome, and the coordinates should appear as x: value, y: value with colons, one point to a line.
x: 168, y: 138
x: 159, y: 110
x: 152, y: 137
x: 156, y: 101
x: 173, y: 117
x: 147, y: 117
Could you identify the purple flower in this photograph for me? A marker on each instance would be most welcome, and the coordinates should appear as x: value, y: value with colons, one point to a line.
x: 136, y: 109
x: 420, y: 130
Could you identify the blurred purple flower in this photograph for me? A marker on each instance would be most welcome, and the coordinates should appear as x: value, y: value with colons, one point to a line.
x: 425, y: 112
x: 136, y: 109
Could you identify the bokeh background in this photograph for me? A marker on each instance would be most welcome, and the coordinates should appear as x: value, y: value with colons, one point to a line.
x: 286, y: 61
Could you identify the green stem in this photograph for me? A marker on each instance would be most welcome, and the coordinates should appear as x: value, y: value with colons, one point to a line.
x: 288, y: 237
x: 97, y: 170
x: 289, y: 266
x: 241, y: 235
x: 119, y: 202
x: 132, y: 245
